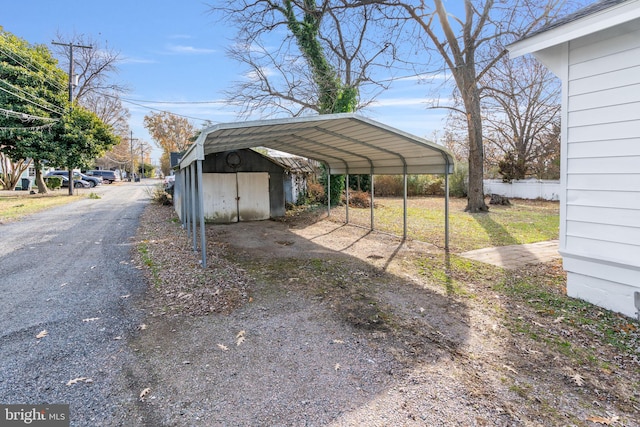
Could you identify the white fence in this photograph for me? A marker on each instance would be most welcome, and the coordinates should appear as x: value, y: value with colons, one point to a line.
x: 524, y: 189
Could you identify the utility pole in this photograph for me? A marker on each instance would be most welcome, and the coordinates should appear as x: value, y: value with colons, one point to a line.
x: 131, y: 139
x: 72, y: 84
x: 142, y: 164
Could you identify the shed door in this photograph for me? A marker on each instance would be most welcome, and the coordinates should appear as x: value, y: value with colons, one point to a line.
x: 233, y: 197
x: 253, y: 196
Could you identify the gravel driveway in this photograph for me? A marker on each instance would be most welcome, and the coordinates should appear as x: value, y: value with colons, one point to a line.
x: 67, y: 271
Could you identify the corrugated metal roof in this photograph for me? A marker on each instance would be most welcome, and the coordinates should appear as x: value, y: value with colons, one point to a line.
x: 346, y: 143
x: 296, y: 164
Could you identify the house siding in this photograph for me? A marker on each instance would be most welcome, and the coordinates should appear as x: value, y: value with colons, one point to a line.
x: 601, y: 242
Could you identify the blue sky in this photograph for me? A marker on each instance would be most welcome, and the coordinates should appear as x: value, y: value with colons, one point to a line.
x: 175, y: 51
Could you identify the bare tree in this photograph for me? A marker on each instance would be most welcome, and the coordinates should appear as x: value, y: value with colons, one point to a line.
x: 465, y: 44
x: 324, y: 62
x: 94, y: 67
x: 521, y: 106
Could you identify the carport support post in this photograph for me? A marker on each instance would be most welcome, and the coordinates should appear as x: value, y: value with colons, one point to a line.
x: 183, y: 199
x: 192, y: 167
x: 446, y: 205
x: 404, y: 203
x: 203, y: 237
x: 328, y: 191
x: 187, y: 202
x: 347, y: 195
x: 371, y: 198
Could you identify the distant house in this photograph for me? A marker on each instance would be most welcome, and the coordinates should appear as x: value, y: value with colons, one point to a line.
x: 596, y: 53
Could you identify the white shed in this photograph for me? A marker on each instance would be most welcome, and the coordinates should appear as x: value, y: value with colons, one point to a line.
x: 596, y: 54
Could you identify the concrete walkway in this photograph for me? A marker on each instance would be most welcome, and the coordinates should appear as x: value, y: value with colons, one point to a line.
x: 516, y: 256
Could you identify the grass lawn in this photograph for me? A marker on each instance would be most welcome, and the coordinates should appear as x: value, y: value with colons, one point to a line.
x: 526, y: 221
x: 15, y: 204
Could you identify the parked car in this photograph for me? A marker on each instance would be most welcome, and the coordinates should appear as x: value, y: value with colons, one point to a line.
x: 169, y: 181
x: 107, y: 176
x: 77, y: 183
x: 92, y: 180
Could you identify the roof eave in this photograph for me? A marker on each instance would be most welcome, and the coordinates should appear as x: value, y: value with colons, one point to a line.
x: 601, y: 20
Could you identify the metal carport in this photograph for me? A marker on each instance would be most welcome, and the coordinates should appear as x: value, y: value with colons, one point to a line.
x: 344, y: 143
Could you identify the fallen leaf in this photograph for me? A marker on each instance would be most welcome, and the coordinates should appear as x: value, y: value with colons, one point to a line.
x: 509, y: 368
x: 144, y: 392
x: 79, y: 380
x: 91, y: 319
x: 599, y: 420
x: 578, y: 379
x: 223, y: 347
x: 42, y: 334
x: 240, y: 337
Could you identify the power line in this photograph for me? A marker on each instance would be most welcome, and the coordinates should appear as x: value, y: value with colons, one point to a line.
x: 157, y: 109
x: 173, y: 102
x: 24, y: 117
x: 36, y: 69
x: 29, y: 101
x: 33, y: 128
x: 31, y: 95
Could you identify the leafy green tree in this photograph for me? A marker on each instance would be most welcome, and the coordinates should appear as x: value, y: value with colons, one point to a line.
x: 33, y: 96
x: 80, y: 138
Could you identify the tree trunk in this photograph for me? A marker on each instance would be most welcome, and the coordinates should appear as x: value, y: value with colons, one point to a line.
x: 475, y: 195
x: 70, y: 175
x: 42, y: 186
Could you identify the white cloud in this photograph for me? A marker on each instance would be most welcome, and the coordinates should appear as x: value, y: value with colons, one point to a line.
x: 133, y: 60
x: 190, y: 50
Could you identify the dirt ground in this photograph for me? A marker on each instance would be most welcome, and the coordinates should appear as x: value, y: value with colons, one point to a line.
x: 313, y: 322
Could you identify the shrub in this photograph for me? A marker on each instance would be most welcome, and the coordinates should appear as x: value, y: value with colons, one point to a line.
x: 434, y: 186
x: 315, y: 192
x: 388, y: 185
x: 359, y: 199
x: 459, y: 181
x: 417, y: 185
x: 53, y: 182
x: 337, y: 186
x: 160, y: 196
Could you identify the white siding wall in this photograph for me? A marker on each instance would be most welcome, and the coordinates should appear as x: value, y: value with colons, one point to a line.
x: 602, y: 222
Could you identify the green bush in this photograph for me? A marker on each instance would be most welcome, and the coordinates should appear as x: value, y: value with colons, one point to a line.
x: 434, y: 186
x: 417, y: 185
x: 459, y: 181
x: 337, y: 186
x: 53, y: 182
